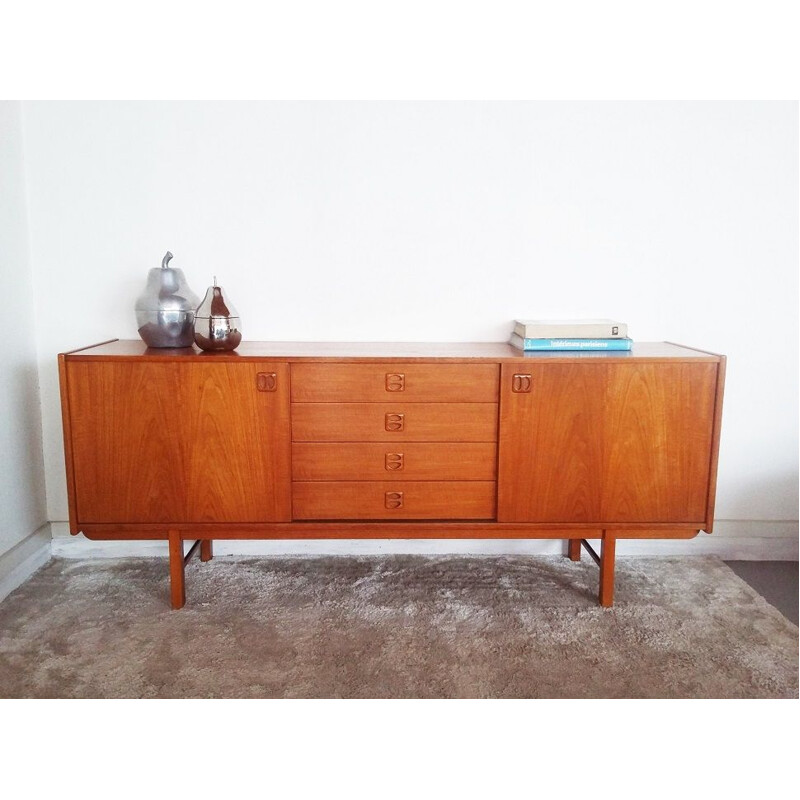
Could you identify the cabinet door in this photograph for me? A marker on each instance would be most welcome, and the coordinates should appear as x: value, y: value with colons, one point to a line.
x: 550, y: 450
x: 657, y: 441
x: 605, y: 443
x: 180, y: 442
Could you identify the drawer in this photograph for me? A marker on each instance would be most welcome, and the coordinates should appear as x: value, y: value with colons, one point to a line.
x: 374, y: 383
x: 393, y: 500
x: 375, y: 461
x: 394, y: 422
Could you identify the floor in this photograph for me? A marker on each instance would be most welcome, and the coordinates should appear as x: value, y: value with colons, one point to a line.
x: 394, y: 626
x: 775, y: 581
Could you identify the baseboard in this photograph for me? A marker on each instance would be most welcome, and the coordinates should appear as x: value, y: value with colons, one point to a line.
x: 22, y: 560
x: 743, y: 540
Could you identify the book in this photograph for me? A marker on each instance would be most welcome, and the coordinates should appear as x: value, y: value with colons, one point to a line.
x: 570, y: 328
x: 570, y: 344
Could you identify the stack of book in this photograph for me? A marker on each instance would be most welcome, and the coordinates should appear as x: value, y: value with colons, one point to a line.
x: 570, y: 334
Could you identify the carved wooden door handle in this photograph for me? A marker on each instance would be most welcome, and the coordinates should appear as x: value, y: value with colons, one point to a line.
x: 266, y: 381
x: 521, y: 382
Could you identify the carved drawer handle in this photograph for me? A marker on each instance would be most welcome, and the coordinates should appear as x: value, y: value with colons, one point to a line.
x: 521, y: 383
x: 395, y: 382
x: 266, y: 381
x: 394, y: 462
x: 395, y: 422
x: 394, y: 500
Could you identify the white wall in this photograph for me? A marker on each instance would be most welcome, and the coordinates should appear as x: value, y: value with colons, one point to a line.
x: 22, y: 484
x: 440, y: 221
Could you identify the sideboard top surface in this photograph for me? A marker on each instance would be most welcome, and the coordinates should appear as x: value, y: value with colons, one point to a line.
x: 383, y: 351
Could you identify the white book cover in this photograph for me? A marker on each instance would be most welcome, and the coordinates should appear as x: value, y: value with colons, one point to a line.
x: 573, y: 328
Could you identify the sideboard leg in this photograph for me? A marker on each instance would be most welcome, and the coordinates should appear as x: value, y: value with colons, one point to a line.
x: 574, y: 549
x: 176, y: 574
x: 607, y: 549
x: 206, y: 550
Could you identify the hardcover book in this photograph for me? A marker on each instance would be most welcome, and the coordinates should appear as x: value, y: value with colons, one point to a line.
x: 570, y: 328
x: 570, y: 344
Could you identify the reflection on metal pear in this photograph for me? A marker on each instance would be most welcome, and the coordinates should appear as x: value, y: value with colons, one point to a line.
x: 216, y: 322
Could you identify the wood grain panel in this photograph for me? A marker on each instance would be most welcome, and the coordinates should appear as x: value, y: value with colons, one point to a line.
x: 405, y: 352
x: 414, y: 461
x: 712, y: 479
x: 658, y: 432
x: 66, y: 422
x: 607, y: 443
x: 128, y: 441
x: 239, y: 448
x: 550, y: 448
x: 190, y: 442
x: 433, y: 383
x: 368, y: 500
x: 443, y: 529
x: 422, y: 422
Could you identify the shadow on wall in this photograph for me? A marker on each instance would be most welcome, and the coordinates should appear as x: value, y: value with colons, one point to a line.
x: 767, y: 498
x: 30, y: 405
x: 22, y: 487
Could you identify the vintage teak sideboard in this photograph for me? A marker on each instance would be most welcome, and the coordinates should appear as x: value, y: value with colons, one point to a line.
x: 335, y: 440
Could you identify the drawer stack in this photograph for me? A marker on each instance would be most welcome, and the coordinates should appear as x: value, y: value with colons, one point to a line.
x: 394, y: 441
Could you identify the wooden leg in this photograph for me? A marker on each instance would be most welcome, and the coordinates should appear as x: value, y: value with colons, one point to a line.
x: 176, y: 576
x: 607, y: 548
x: 574, y: 549
x: 206, y: 550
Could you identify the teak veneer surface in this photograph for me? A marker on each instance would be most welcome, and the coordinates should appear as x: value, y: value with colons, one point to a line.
x: 409, y: 500
x: 410, y: 383
x: 384, y: 440
x: 375, y: 461
x: 369, y: 422
x: 154, y: 444
x: 607, y: 442
x: 385, y: 529
x: 384, y: 351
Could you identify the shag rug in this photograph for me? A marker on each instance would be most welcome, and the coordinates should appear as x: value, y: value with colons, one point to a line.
x: 394, y: 627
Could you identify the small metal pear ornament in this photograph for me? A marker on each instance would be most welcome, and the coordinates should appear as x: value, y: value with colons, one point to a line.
x: 216, y: 322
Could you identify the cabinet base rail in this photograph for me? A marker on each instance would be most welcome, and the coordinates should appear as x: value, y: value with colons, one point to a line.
x: 178, y: 562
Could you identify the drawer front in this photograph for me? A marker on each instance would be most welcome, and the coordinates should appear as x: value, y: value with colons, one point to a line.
x: 393, y: 500
x: 394, y: 422
x: 375, y: 383
x: 375, y: 461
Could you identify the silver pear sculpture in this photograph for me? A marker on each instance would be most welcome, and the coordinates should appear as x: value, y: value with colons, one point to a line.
x: 165, y: 310
x: 216, y: 322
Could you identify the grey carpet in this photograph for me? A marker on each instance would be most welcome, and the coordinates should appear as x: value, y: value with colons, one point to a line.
x: 394, y: 626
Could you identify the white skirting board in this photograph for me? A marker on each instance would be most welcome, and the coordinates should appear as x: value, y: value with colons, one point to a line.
x: 22, y: 560
x: 732, y: 540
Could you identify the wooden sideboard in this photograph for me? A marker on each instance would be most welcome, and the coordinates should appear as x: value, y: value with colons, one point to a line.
x: 331, y: 440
